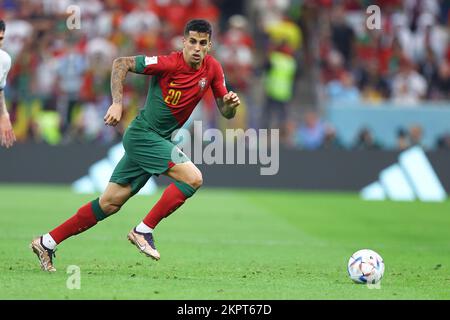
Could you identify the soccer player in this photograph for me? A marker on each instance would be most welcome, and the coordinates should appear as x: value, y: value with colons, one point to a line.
x: 7, y: 136
x: 179, y: 81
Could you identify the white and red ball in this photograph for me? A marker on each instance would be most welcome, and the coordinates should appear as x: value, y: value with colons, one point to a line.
x: 365, y: 266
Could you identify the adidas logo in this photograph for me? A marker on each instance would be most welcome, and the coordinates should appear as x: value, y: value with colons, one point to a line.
x: 99, y: 173
x: 411, y: 178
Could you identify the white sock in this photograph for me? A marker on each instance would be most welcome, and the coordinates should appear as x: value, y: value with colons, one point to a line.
x: 143, y: 228
x: 48, y: 241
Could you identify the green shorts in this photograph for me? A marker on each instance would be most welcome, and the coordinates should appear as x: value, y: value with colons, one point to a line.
x: 146, y: 154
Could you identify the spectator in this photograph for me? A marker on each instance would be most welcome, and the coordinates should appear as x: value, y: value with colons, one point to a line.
x: 429, y: 69
x: 19, y: 32
x: 395, y: 56
x: 443, y: 142
x: 175, y: 12
x: 279, y: 85
x: 21, y: 79
x: 206, y: 9
x: 402, y: 139
x: 140, y: 19
x: 443, y: 80
x: 373, y: 85
x: 415, y: 135
x: 330, y: 139
x: 142, y: 25
x: 45, y: 78
x: 71, y: 67
x: 343, y: 89
x: 311, y: 132
x: 101, y: 51
x: 288, y: 138
x: 408, y: 86
x: 237, y: 55
x: 410, y: 138
x: 285, y: 31
x: 333, y: 66
x: 342, y: 34
x: 429, y: 35
x: 365, y: 141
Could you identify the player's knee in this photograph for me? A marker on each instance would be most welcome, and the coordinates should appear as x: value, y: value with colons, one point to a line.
x: 112, y: 208
x: 196, y: 180
x: 109, y: 206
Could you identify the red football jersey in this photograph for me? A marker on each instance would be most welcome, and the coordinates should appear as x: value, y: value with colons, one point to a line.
x: 176, y: 89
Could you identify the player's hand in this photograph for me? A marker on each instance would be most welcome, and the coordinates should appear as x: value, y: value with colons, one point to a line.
x: 231, y: 100
x: 113, y: 115
x: 7, y: 136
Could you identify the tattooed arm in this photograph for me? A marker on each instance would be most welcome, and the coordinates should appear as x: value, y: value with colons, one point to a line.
x: 7, y: 136
x: 120, y: 68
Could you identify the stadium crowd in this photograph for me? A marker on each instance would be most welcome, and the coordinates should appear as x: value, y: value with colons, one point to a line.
x: 406, y: 60
x: 59, y: 85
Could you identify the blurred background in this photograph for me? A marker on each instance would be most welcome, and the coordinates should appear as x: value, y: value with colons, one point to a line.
x: 363, y: 114
x: 339, y: 84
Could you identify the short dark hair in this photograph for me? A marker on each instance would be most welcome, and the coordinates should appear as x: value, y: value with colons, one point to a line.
x: 2, y: 25
x: 198, y: 25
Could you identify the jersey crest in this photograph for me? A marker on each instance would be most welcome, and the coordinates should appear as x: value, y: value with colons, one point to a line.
x: 202, y: 83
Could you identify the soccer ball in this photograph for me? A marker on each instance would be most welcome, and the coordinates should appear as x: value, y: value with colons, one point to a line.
x: 365, y: 266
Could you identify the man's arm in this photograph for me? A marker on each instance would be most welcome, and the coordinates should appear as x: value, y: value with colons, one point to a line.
x: 2, y: 103
x: 121, y: 66
x: 7, y: 136
x: 228, y: 104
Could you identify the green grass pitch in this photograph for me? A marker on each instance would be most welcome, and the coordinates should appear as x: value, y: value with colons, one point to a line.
x: 228, y: 244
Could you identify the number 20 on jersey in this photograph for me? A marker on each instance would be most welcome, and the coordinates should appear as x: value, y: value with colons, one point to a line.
x: 173, y: 97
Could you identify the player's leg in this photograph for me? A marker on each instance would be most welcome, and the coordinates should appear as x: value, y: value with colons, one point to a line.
x: 125, y: 181
x: 114, y: 197
x: 188, y: 179
x: 87, y: 216
x: 110, y: 202
x: 160, y: 156
x: 156, y: 155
